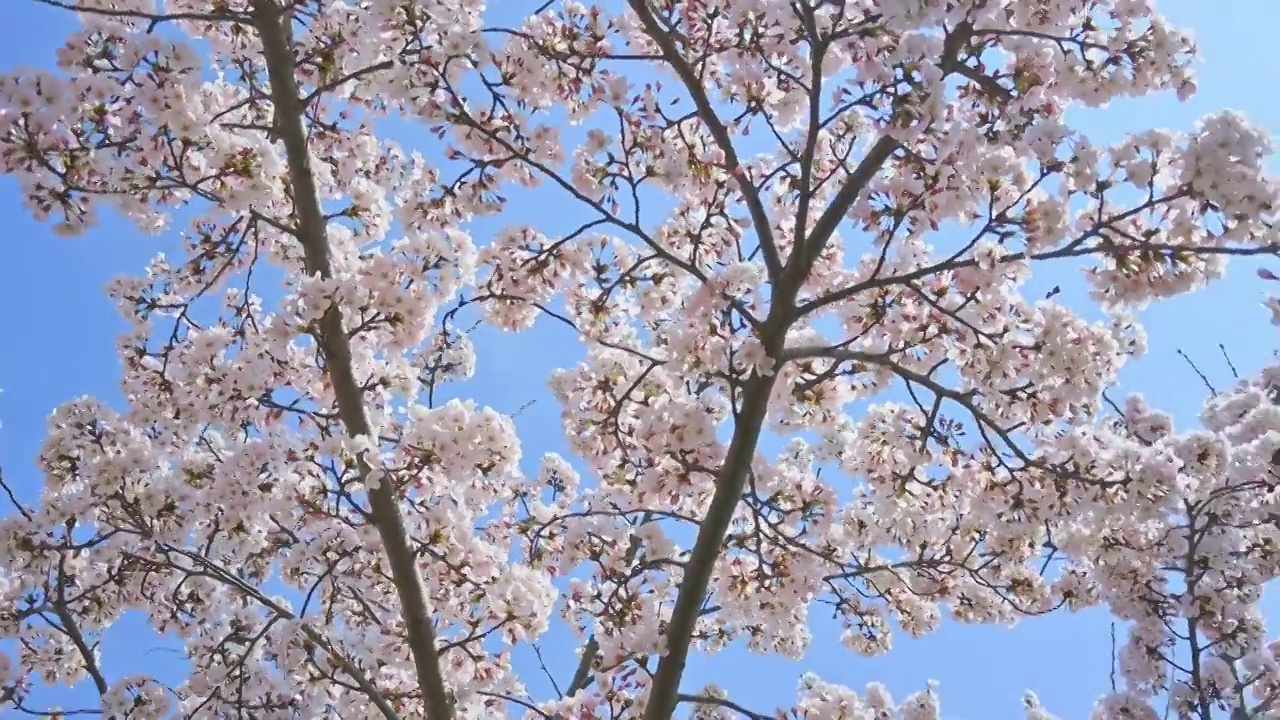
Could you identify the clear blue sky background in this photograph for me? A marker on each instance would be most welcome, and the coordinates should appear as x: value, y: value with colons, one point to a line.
x: 57, y: 334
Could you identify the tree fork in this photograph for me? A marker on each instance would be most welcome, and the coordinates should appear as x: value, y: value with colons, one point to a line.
x: 333, y: 342
x: 665, y: 692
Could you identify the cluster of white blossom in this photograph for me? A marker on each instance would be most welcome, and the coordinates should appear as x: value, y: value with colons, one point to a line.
x: 289, y: 492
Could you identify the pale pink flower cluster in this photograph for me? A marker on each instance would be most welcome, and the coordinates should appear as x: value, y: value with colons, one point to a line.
x: 819, y: 220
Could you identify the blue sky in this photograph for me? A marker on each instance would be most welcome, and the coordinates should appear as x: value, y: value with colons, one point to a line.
x: 59, y: 333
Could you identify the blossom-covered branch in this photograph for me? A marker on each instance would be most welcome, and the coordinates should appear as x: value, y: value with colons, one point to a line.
x: 816, y: 221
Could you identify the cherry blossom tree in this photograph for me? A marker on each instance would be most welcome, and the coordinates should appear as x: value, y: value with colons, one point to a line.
x: 811, y: 219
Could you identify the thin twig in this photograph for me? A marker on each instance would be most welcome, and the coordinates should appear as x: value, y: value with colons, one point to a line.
x: 1113, y: 656
x: 1226, y: 356
x: 1203, y: 378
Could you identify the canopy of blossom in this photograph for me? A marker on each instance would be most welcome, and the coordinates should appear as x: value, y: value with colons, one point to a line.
x: 813, y: 218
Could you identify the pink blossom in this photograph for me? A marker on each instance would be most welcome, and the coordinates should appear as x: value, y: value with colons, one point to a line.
x: 949, y: 453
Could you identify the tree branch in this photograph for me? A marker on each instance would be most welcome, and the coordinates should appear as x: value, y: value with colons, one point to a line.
x: 362, y: 680
x: 582, y: 676
x: 756, y: 391
x: 817, y: 50
x: 664, y: 693
x: 706, y: 113
x: 153, y: 19
x: 726, y: 704
x: 333, y: 342
x: 72, y: 629
x: 804, y: 255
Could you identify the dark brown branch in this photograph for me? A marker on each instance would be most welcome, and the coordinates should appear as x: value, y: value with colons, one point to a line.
x: 664, y: 693
x: 362, y: 680
x: 153, y: 19
x: 334, y: 343
x: 726, y: 704
x: 755, y: 394
x: 582, y: 676
x: 72, y: 630
x: 706, y: 113
x: 803, y: 257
